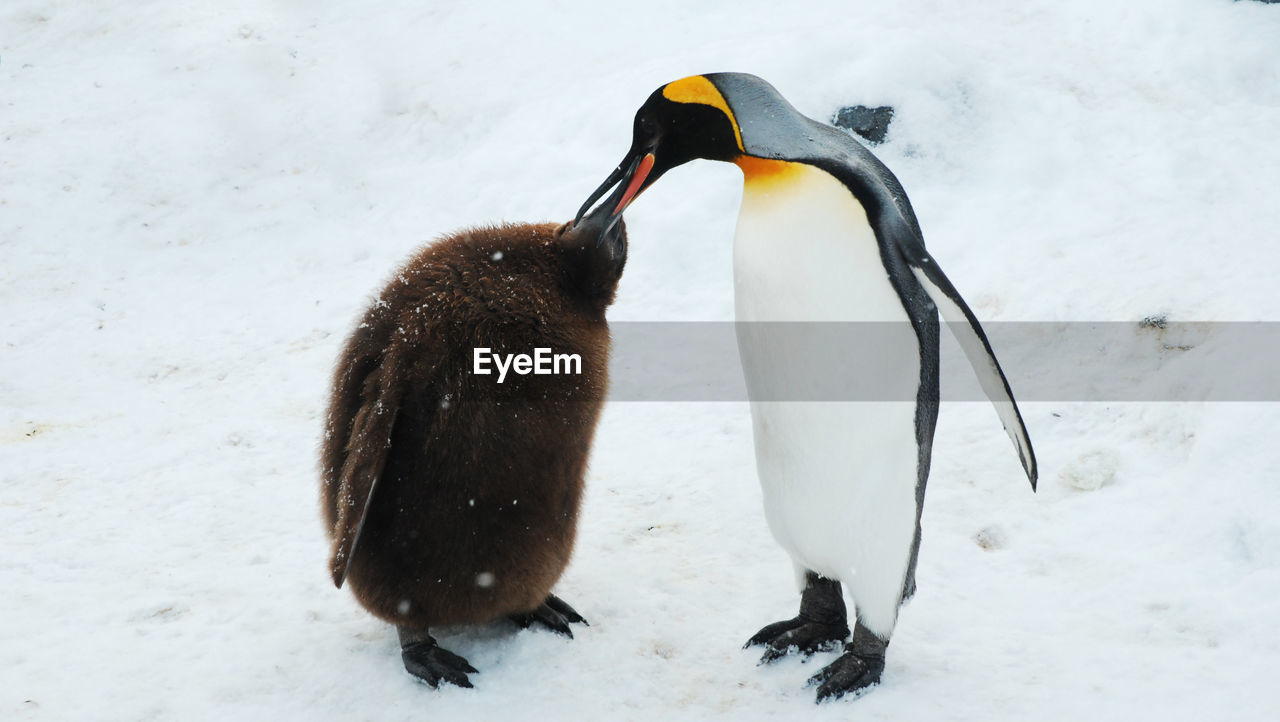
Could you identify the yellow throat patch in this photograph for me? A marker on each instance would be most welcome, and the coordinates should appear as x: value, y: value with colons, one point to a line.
x: 766, y: 173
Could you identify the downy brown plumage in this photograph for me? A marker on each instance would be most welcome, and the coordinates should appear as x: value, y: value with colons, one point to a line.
x: 452, y: 498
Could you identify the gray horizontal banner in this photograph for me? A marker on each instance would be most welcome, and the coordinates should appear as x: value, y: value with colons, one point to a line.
x: 1152, y: 360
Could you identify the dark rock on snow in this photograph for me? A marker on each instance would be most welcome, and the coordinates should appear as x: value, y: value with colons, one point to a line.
x: 870, y: 123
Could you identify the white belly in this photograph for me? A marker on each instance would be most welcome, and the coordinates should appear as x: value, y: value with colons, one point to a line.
x: 838, y: 477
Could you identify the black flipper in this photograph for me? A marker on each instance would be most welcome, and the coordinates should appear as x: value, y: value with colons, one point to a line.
x: 964, y: 324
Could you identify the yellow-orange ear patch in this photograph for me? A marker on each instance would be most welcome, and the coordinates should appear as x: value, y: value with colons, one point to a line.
x: 697, y: 89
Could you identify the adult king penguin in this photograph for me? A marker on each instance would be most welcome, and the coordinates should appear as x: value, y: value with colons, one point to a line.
x: 825, y: 234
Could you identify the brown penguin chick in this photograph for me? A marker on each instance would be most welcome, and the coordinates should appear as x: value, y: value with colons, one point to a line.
x: 452, y: 496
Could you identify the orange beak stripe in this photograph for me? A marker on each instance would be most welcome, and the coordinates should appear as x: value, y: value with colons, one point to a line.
x: 637, y: 180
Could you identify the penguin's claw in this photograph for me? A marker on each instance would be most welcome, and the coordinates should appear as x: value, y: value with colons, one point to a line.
x: 433, y: 664
x: 553, y: 614
x: 850, y: 673
x: 569, y: 613
x: 797, y: 635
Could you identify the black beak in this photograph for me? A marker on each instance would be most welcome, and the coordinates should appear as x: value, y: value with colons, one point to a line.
x: 631, y: 177
x: 609, y: 182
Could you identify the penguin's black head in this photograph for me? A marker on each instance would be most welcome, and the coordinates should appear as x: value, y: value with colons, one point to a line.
x: 687, y: 119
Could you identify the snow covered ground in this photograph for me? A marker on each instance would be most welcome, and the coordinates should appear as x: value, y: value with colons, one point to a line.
x: 197, y: 199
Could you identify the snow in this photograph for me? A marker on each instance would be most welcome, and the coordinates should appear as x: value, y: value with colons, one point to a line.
x: 197, y: 201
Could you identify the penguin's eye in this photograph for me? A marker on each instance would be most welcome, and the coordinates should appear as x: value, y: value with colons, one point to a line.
x: 646, y: 125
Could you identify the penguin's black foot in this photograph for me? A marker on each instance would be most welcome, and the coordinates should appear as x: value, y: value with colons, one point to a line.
x: 797, y: 635
x: 850, y: 673
x: 821, y: 625
x: 554, y: 614
x: 433, y: 664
